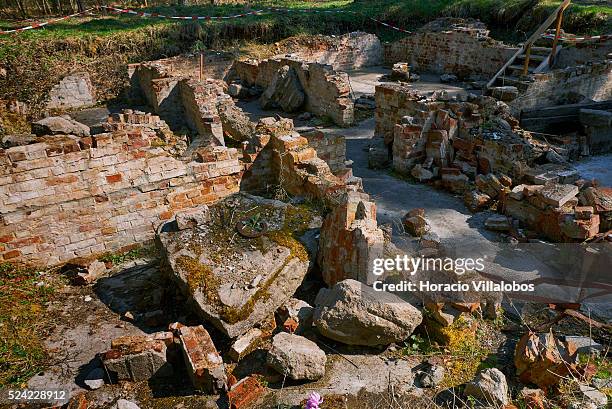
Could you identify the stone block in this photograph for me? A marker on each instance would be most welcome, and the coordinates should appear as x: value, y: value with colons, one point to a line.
x: 557, y: 195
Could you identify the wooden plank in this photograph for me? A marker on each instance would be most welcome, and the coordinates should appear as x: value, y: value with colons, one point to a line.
x: 535, y: 36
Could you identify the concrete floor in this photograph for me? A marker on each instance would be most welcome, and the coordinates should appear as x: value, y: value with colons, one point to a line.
x: 364, y: 80
x: 596, y: 167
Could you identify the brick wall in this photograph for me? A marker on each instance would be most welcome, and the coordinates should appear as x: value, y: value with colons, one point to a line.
x: 348, y: 52
x: 462, y: 52
x: 66, y: 198
x: 330, y: 147
x: 582, y: 53
x: 181, y: 100
x: 394, y: 101
x: 592, y: 82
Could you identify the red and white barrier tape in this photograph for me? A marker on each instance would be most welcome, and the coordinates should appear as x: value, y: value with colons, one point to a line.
x: 570, y: 39
x: 207, y: 18
x: 576, y: 39
x: 157, y: 15
x: 38, y: 25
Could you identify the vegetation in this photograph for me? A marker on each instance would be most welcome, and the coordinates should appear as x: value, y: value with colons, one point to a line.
x: 132, y: 254
x: 23, y: 322
x: 104, y: 44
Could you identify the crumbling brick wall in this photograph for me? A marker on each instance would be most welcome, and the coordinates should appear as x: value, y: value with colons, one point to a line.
x: 327, y: 91
x: 394, y: 101
x: 348, y: 52
x: 181, y: 100
x: 583, y: 52
x: 330, y: 147
x: 66, y: 198
x: 463, y: 52
x: 591, y: 82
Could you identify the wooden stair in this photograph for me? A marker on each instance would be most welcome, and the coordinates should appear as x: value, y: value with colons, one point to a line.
x: 531, y: 59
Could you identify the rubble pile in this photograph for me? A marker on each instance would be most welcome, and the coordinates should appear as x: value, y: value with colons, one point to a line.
x: 292, y: 83
x: 475, y: 148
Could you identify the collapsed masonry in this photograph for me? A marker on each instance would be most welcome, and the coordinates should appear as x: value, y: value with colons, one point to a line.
x: 582, y: 71
x: 476, y: 148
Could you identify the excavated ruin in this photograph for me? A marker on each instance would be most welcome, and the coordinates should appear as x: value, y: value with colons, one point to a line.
x: 269, y: 189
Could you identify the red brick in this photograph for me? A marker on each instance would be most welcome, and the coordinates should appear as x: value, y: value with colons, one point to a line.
x: 165, y: 215
x: 6, y: 238
x: 114, y: 178
x: 244, y: 393
x: 12, y: 254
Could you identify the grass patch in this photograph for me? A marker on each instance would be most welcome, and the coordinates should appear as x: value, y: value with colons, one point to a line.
x: 132, y: 254
x: 23, y: 322
x: 36, y: 60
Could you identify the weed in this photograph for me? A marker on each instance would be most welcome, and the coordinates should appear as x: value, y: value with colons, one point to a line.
x: 23, y: 321
x: 133, y: 254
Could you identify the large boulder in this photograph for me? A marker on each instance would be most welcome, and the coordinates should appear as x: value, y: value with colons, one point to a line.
x: 355, y: 314
x: 59, y: 125
x: 284, y: 91
x: 297, y: 357
x: 238, y: 267
x: 489, y: 387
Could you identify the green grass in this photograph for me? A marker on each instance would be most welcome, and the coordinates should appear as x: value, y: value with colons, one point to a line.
x: 133, y: 254
x: 103, y: 46
x: 23, y: 320
x: 408, y: 13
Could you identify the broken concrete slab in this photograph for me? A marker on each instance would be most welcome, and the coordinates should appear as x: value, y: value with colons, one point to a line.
x: 355, y: 314
x: 498, y: 222
x: 557, y: 195
x: 369, y: 373
x: 296, y: 357
x: 59, y: 125
x: 204, y: 364
x: 215, y: 264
